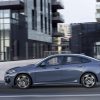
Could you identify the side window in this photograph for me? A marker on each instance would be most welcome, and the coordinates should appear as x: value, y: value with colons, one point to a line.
x: 75, y: 60
x: 54, y: 61
x: 72, y: 60
x: 84, y: 60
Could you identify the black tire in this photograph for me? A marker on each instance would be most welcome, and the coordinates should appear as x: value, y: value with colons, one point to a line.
x: 88, y: 80
x: 23, y: 81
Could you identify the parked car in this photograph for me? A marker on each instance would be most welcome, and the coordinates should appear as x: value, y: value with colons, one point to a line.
x: 57, y: 69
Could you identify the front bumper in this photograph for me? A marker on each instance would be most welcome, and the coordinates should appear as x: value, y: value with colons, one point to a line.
x: 9, y: 79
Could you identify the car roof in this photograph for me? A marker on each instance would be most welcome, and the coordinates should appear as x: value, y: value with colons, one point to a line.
x: 78, y: 55
x: 68, y: 55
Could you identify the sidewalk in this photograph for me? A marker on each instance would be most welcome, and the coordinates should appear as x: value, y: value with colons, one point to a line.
x: 4, y: 66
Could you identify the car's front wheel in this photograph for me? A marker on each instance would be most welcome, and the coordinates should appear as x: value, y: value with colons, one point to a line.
x: 88, y: 80
x: 22, y: 81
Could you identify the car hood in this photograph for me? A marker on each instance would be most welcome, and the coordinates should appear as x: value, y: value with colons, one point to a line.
x: 24, y: 68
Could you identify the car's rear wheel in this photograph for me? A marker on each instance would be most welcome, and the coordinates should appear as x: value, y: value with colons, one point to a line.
x: 88, y: 80
x: 23, y: 81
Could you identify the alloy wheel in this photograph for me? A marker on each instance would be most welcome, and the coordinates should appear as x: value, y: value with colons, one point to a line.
x: 23, y: 81
x: 88, y: 80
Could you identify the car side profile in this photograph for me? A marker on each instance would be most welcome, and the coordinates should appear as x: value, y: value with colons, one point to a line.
x: 60, y: 69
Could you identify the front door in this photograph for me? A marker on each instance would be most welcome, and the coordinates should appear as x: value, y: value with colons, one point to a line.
x: 49, y: 71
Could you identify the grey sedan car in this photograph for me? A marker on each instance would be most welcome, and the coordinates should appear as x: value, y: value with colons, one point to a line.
x: 60, y: 69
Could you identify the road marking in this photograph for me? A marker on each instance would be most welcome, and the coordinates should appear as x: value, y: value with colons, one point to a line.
x: 49, y: 96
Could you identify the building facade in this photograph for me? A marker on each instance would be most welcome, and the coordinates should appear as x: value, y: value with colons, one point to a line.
x: 56, y: 18
x: 98, y: 10
x: 25, y: 28
x: 64, y: 28
x: 97, y: 44
x: 85, y: 38
x: 64, y: 41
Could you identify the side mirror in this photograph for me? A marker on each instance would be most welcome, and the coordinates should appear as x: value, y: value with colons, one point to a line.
x: 43, y: 65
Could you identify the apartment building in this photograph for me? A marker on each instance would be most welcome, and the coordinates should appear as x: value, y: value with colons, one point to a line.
x: 97, y: 44
x: 85, y: 38
x: 64, y: 42
x: 25, y: 28
x: 98, y: 10
x: 56, y: 18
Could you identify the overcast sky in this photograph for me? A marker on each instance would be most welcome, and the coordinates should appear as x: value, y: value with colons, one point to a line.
x: 76, y: 11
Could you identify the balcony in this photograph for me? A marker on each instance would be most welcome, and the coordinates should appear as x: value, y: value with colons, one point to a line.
x: 57, y: 18
x: 12, y: 4
x: 98, y: 7
x: 56, y: 4
x: 57, y: 34
x: 98, y: 17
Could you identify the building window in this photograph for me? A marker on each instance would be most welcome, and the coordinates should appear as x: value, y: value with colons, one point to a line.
x: 6, y: 13
x: 45, y: 6
x: 41, y: 23
x: 4, y: 34
x: 41, y: 5
x: 34, y: 16
x: 34, y: 20
x: 35, y: 4
x: 46, y: 25
x: 33, y: 27
x: 49, y: 19
x: 1, y: 13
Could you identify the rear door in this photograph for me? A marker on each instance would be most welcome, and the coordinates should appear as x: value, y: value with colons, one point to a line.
x: 72, y: 68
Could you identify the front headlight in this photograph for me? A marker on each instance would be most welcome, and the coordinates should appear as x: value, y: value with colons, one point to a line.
x: 10, y: 71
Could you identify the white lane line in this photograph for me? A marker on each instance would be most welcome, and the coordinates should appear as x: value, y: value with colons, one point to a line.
x: 49, y: 96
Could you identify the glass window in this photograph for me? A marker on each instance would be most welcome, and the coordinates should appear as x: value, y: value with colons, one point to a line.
x: 7, y: 20
x: 1, y: 13
x: 54, y: 61
x: 6, y: 26
x: 6, y: 13
x: 1, y: 21
x: 41, y: 23
x: 15, y: 15
x: 84, y: 60
x: 1, y: 27
x: 2, y: 45
x: 34, y: 19
x: 35, y: 4
x: 41, y: 5
x: 14, y: 21
x: 7, y: 43
x: 75, y: 60
x: 7, y: 34
x: 1, y: 34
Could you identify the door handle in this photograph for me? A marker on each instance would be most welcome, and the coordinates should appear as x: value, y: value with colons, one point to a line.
x: 80, y: 66
x: 57, y: 68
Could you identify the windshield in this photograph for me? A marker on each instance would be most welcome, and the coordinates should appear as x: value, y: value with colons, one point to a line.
x: 38, y: 61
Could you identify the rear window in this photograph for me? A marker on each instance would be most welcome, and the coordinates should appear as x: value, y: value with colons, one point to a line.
x: 84, y: 60
x: 75, y: 60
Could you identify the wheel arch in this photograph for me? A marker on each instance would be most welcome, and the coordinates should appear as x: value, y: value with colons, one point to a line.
x: 91, y: 73
x: 24, y: 74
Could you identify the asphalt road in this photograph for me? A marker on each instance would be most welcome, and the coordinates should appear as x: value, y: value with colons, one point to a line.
x: 50, y: 93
